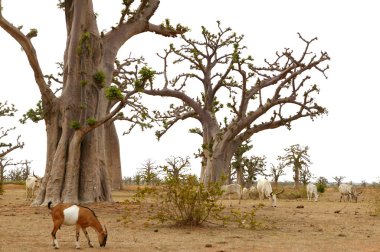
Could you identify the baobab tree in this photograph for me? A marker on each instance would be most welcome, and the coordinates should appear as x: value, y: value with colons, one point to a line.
x: 338, y: 180
x: 276, y: 172
x: 83, y: 159
x: 239, y: 163
x: 232, y: 97
x: 176, y: 166
x: 298, y: 158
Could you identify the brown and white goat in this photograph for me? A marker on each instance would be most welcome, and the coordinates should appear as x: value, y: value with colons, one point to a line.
x: 80, y: 216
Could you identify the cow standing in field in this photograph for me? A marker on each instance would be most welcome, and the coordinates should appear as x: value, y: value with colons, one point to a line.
x: 32, y: 185
x: 349, y: 191
x: 232, y: 189
x: 310, y: 190
x: 264, y: 189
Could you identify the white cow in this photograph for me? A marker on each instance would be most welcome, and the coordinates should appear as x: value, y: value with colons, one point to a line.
x: 310, y: 190
x: 265, y: 191
x: 348, y: 191
x: 231, y: 189
x: 248, y: 192
x: 32, y: 184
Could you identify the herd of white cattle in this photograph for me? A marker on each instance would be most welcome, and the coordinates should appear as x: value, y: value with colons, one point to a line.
x: 264, y: 190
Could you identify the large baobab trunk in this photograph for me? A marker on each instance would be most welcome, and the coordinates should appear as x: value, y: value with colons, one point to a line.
x: 77, y: 168
x: 217, y: 161
x: 83, y: 159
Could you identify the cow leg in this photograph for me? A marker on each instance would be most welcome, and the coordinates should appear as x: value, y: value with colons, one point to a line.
x: 88, y: 237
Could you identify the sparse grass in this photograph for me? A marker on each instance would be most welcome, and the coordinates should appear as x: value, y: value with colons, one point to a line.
x: 292, y: 193
x: 375, y: 207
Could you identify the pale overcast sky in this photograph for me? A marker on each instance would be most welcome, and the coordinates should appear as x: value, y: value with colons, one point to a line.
x: 344, y: 143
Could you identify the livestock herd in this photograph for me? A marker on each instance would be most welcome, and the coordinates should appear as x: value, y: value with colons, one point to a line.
x: 264, y: 190
x: 83, y: 217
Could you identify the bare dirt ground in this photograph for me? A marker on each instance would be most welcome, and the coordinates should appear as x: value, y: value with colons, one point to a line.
x: 316, y: 227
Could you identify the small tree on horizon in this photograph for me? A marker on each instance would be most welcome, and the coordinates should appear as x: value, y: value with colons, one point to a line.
x: 298, y: 158
x: 255, y: 165
x: 239, y: 164
x: 339, y: 180
x: 176, y: 166
x: 149, y: 172
x: 305, y: 175
x: 276, y: 172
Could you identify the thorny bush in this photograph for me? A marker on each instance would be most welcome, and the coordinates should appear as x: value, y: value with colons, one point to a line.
x: 183, y: 200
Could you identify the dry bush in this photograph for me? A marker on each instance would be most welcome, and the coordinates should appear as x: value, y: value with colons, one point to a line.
x: 182, y: 200
x: 292, y: 193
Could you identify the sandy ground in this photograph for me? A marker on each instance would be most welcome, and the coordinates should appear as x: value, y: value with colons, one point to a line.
x: 316, y: 227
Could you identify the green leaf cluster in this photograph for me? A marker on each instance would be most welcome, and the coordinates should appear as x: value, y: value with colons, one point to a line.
x: 35, y: 115
x: 146, y: 74
x: 84, y: 44
x: 91, y: 121
x: 99, y: 78
x: 114, y: 93
x: 75, y: 125
x: 32, y: 33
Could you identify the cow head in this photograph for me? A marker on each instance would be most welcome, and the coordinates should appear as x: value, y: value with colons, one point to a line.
x: 273, y: 197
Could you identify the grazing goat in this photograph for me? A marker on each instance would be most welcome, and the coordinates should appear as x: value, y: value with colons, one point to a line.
x: 310, y: 190
x: 32, y: 184
x: 348, y: 191
x: 231, y: 189
x: 265, y: 190
x: 80, y: 216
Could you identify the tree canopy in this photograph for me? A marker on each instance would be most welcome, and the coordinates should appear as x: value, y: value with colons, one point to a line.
x: 230, y: 95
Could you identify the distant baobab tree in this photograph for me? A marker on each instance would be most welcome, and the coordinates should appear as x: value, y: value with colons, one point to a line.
x: 230, y: 95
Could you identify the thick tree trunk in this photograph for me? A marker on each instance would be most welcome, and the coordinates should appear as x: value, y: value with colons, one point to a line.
x: 112, y: 149
x: 218, y: 162
x: 77, y: 168
x: 83, y: 156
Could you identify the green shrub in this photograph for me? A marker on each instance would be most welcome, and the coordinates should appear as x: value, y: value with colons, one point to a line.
x: 321, y: 184
x: 321, y: 188
x: 188, y: 202
x: 183, y: 200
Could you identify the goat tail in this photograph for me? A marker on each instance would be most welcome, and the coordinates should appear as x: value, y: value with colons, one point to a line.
x: 49, y: 204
